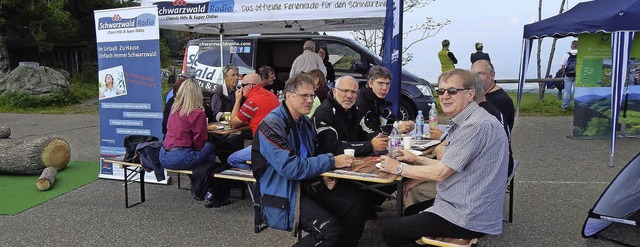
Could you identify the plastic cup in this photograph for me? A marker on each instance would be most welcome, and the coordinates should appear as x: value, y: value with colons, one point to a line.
x: 350, y: 152
x: 406, y: 142
x: 227, y: 116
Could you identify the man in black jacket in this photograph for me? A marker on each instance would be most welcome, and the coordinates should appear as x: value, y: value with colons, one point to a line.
x: 337, y: 123
x: 374, y: 108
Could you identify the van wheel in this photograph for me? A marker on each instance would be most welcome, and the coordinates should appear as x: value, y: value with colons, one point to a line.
x: 407, y: 109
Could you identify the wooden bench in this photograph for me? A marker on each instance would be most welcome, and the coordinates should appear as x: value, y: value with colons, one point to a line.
x: 450, y: 243
x: 132, y: 169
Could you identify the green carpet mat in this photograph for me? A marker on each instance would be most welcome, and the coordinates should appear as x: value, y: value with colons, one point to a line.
x: 19, y: 192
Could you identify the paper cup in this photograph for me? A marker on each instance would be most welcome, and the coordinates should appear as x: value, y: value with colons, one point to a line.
x: 350, y: 152
x: 406, y: 142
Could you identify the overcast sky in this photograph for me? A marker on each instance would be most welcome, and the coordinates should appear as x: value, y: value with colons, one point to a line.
x: 496, y: 23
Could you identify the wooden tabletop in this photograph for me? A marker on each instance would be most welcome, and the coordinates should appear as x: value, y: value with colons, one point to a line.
x: 223, y: 128
x: 365, y: 170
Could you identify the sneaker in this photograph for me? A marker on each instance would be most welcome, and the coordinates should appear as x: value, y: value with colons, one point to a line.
x: 208, y: 200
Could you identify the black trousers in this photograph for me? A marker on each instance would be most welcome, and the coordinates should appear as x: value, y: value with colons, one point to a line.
x: 226, y: 145
x: 333, y: 218
x: 202, y: 180
x: 406, y: 230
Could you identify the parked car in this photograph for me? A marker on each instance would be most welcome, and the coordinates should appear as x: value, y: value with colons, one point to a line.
x: 202, y: 60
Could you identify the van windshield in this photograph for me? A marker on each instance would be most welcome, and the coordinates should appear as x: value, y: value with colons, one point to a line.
x: 203, y: 59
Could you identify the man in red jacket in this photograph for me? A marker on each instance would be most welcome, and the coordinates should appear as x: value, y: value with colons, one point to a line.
x: 258, y: 104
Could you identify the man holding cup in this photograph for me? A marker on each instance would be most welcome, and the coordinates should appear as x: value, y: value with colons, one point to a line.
x: 286, y: 163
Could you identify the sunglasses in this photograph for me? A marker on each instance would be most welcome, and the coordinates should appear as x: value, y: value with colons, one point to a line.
x: 451, y: 91
x: 240, y: 85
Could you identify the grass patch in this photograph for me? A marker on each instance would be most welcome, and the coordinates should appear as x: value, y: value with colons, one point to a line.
x: 551, y: 106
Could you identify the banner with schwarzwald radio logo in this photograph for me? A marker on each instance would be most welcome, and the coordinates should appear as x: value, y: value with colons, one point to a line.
x: 130, y: 88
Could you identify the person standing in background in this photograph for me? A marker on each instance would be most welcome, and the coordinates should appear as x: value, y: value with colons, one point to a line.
x: 331, y: 73
x: 447, y: 59
x: 569, y: 73
x: 308, y: 60
x: 559, y: 84
x: 479, y: 55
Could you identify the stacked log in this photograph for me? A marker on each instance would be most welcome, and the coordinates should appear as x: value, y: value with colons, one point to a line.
x: 32, y: 156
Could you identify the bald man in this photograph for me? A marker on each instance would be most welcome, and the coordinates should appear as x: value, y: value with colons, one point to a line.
x: 494, y: 93
x: 258, y: 104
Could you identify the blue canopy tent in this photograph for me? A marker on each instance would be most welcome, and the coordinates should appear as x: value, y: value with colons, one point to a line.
x: 620, y: 19
x: 617, y: 17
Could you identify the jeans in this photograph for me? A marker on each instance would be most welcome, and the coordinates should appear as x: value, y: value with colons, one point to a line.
x: 569, y: 82
x: 238, y: 158
x: 201, y: 162
x: 560, y: 94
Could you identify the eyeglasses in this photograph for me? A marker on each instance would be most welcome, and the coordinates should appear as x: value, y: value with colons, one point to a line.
x: 451, y: 91
x: 241, y: 85
x: 306, y: 96
x: 347, y: 90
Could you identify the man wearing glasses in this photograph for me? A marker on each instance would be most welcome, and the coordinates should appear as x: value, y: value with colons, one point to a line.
x: 471, y: 175
x: 494, y: 93
x: 259, y: 102
x: 337, y: 123
x: 374, y: 108
x: 283, y: 156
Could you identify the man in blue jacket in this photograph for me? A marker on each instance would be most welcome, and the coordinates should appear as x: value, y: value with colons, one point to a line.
x: 283, y: 157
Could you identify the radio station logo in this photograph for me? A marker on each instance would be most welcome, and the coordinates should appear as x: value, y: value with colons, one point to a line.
x: 116, y: 21
x: 181, y: 7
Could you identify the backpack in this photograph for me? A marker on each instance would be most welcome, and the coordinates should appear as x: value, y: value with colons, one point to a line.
x: 570, y: 69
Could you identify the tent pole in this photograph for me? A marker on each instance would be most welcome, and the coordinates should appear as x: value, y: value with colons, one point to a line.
x: 221, y: 53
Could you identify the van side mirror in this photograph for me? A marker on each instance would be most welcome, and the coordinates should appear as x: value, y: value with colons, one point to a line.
x: 360, y: 67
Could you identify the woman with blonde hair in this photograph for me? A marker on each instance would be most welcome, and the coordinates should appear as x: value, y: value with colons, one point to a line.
x: 186, y: 147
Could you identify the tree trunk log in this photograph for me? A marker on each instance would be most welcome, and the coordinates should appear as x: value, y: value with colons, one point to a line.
x: 32, y: 156
x: 47, y: 178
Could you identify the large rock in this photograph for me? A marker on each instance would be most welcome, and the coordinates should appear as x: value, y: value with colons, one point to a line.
x: 41, y: 81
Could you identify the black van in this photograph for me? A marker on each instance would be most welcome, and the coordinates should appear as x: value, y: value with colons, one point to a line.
x: 202, y: 60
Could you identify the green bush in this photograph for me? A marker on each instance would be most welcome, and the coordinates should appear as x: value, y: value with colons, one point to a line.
x: 83, y: 86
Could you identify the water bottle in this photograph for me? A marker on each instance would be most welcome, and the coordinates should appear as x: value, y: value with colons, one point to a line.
x: 419, y: 126
x: 433, y: 117
x: 395, y: 142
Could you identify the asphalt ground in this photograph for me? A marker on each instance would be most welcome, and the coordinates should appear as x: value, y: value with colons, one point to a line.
x: 558, y: 181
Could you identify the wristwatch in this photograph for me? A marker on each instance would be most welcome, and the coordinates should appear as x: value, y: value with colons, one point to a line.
x: 399, y: 169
